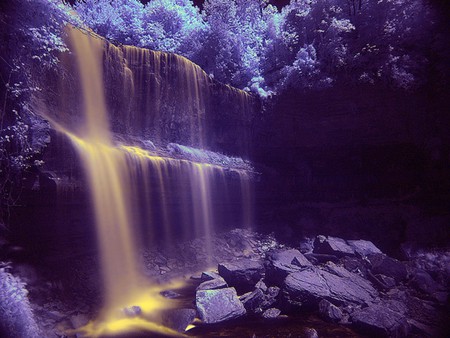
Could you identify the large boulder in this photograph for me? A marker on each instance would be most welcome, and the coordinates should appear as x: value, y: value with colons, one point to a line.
x: 214, y: 306
x: 388, y: 266
x: 363, y: 247
x: 212, y: 284
x: 281, y: 263
x: 332, y: 246
x: 380, y: 321
x: 340, y: 286
x: 242, y: 274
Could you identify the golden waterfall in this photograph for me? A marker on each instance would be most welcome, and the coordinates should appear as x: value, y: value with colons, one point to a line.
x: 121, y: 175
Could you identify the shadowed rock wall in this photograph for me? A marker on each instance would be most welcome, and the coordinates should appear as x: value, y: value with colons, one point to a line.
x: 355, y: 150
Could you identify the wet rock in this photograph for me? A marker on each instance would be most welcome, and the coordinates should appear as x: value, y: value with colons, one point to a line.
x: 329, y: 311
x: 209, y: 275
x: 388, y: 266
x: 380, y: 321
x: 216, y: 306
x: 363, y: 247
x: 271, y: 313
x: 252, y: 300
x: 306, y: 287
x: 341, y: 286
x: 261, y: 285
x: 280, y: 263
x: 242, y: 274
x: 258, y: 301
x: 178, y: 319
x: 310, y: 333
x: 212, y: 284
x: 132, y: 311
x: 332, y: 246
x: 170, y: 294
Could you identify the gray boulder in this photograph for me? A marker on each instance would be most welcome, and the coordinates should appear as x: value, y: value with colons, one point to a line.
x: 212, y: 284
x: 329, y: 311
x: 340, y: 286
x: 281, y: 263
x: 252, y: 300
x: 257, y: 301
x: 363, y: 248
x: 214, y: 306
x: 332, y: 246
x: 388, y: 266
x: 271, y: 313
x: 242, y: 274
x: 209, y: 275
x: 178, y: 319
x: 380, y: 321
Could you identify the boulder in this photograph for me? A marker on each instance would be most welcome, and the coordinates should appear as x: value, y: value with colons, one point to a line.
x: 306, y: 287
x: 214, y: 306
x: 329, y: 311
x: 332, y: 246
x: 339, y: 286
x: 132, y: 311
x: 271, y: 313
x: 178, y: 319
x: 209, y: 275
x: 380, y: 321
x: 212, y: 284
x: 261, y: 285
x: 310, y: 333
x: 388, y: 282
x: 257, y: 301
x: 280, y: 263
x: 422, y: 281
x: 242, y: 274
x: 252, y: 300
x: 388, y: 266
x: 363, y: 248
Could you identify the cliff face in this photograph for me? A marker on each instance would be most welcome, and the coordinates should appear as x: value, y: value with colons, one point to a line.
x: 157, y: 96
x: 377, y: 155
x: 162, y: 103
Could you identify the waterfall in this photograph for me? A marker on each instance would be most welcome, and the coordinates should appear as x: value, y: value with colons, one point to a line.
x: 123, y: 177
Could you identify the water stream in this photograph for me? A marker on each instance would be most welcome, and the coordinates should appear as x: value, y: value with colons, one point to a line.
x: 119, y: 177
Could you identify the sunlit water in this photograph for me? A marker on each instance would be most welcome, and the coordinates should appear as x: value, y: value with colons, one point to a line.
x: 118, y: 177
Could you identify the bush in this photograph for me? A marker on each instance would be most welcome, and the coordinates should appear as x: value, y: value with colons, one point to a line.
x: 16, y: 315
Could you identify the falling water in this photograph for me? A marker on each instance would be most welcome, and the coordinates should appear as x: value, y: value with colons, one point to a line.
x: 120, y: 180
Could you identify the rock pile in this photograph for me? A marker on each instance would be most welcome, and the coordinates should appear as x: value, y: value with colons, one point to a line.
x: 346, y: 282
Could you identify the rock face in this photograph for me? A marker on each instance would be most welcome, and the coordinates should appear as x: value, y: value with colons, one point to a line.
x: 216, y: 306
x: 243, y: 273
